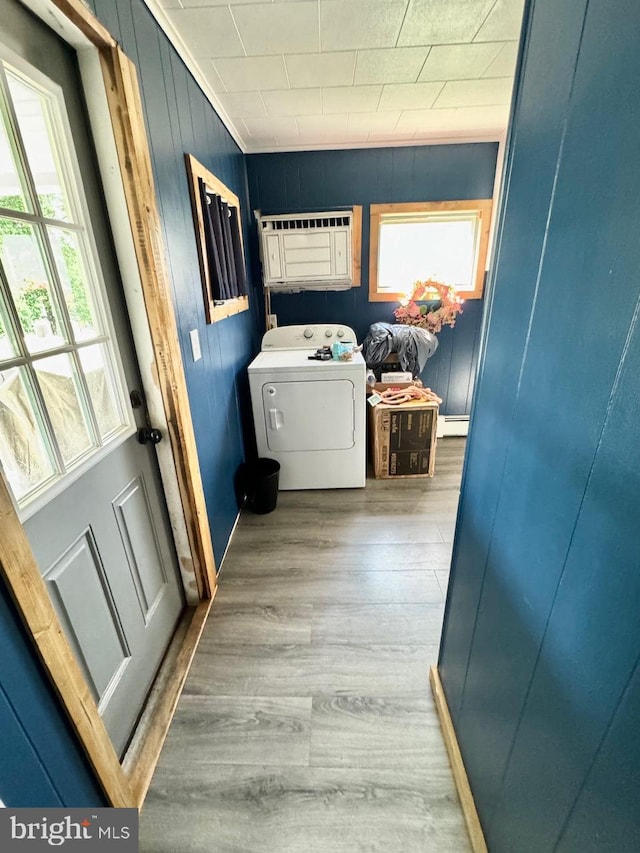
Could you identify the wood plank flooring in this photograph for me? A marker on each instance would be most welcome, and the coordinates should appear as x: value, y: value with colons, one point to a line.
x: 307, y: 722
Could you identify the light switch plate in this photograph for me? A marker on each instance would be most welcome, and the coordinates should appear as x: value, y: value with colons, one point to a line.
x: 195, y: 345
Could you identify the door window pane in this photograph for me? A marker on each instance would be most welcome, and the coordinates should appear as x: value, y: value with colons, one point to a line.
x: 30, y: 286
x: 60, y: 388
x: 56, y: 408
x: 96, y: 366
x: 7, y: 343
x: 11, y: 192
x: 26, y: 462
x: 74, y: 281
x: 36, y: 128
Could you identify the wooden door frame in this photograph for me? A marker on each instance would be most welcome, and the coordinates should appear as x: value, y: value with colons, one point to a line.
x: 115, y: 112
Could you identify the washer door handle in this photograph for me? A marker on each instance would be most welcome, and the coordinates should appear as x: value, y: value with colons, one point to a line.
x: 275, y: 418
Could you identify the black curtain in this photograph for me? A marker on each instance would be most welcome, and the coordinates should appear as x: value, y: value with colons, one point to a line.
x: 224, y: 255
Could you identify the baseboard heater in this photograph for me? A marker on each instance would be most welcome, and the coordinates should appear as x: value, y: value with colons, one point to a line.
x: 453, y: 425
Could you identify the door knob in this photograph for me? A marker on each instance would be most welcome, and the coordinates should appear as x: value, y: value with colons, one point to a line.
x: 148, y: 435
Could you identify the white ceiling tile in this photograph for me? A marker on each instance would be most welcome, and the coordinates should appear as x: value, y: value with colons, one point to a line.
x: 320, y: 69
x: 443, y: 21
x: 213, y: 78
x: 291, y: 102
x: 369, y: 122
x: 243, y: 104
x: 504, y: 65
x: 481, y: 119
x: 351, y: 99
x: 469, y: 120
x: 261, y: 143
x: 396, y: 136
x: 252, y: 73
x: 504, y: 23
x: 390, y: 65
x: 283, y: 143
x: 423, y: 119
x: 360, y: 23
x: 278, y: 28
x: 171, y: 4
x: 329, y: 124
x: 352, y: 136
x: 208, y: 33
x: 260, y: 127
x: 202, y: 3
x: 409, y: 96
x: 459, y: 61
x: 475, y: 93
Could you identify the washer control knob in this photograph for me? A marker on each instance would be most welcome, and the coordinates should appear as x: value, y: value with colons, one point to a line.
x: 340, y: 333
x: 308, y: 333
x: 328, y: 333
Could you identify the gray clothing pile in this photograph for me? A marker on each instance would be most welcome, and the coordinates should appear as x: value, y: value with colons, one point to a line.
x: 413, y: 345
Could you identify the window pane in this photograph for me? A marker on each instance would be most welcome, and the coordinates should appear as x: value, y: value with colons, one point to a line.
x: 411, y: 252
x: 59, y: 385
x: 11, y: 190
x: 8, y: 348
x: 75, y: 287
x: 36, y: 130
x: 28, y: 279
x: 97, y: 369
x: 23, y: 453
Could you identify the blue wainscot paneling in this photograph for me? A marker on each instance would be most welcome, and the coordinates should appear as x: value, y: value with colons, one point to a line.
x: 540, y: 650
x: 41, y: 764
x: 180, y: 119
x: 322, y: 180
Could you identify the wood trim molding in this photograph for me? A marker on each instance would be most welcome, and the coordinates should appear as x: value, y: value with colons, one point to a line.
x: 213, y: 312
x: 142, y: 756
x: 123, y: 95
x: 83, y: 19
x: 482, y: 206
x: 374, y: 240
x: 472, y: 821
x: 356, y: 246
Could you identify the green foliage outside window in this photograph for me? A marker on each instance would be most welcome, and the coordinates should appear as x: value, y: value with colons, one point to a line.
x: 33, y: 301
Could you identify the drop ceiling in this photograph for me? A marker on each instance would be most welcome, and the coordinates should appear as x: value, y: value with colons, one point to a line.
x: 299, y: 74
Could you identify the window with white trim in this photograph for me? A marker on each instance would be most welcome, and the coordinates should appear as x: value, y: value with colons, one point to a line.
x: 446, y: 241
x: 62, y: 397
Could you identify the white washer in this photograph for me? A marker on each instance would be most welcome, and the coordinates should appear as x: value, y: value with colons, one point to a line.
x: 310, y: 415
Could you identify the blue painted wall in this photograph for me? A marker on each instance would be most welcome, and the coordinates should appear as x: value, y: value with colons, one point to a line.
x: 40, y: 763
x: 541, y: 646
x: 180, y: 119
x: 321, y: 180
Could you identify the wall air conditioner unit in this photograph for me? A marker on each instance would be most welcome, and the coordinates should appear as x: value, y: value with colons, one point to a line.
x: 306, y: 251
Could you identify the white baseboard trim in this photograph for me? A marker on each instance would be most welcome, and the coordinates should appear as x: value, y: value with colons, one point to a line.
x: 452, y: 425
x: 233, y: 530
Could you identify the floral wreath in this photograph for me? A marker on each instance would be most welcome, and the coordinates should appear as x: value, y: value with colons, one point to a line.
x: 436, y: 313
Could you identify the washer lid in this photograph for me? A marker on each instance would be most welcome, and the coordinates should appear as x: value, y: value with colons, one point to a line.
x: 296, y: 360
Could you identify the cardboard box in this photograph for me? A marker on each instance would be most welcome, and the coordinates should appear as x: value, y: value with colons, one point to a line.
x: 384, y: 386
x: 403, y: 439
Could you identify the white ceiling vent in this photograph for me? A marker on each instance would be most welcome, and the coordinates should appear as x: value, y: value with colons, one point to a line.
x: 306, y: 251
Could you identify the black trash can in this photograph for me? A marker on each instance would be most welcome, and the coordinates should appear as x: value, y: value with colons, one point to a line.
x: 262, y: 485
